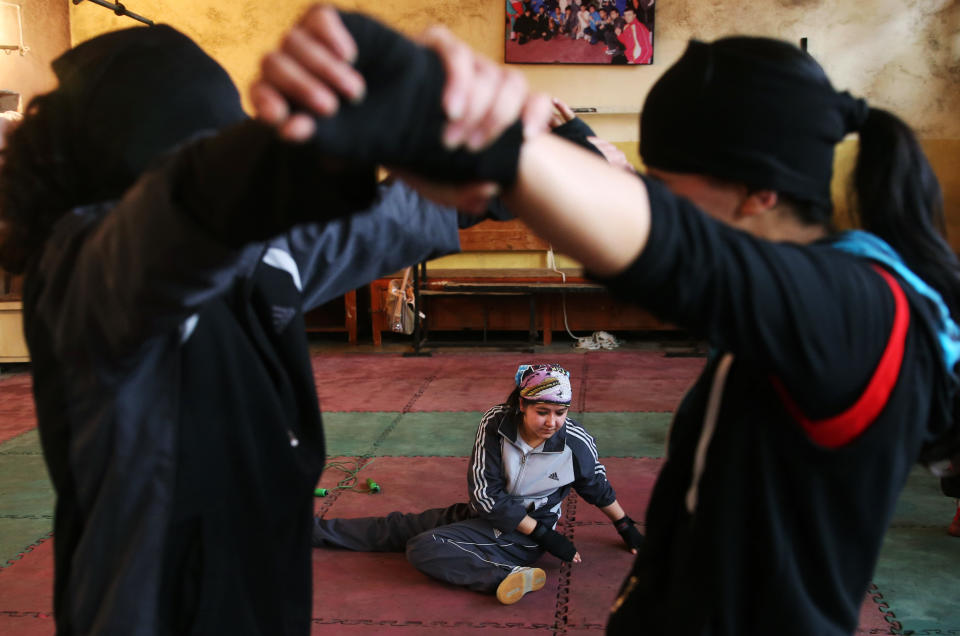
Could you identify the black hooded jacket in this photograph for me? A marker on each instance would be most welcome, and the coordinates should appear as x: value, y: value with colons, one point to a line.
x: 755, y: 527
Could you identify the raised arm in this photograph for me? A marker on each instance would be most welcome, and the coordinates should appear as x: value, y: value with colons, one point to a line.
x: 583, y: 206
x: 401, y: 228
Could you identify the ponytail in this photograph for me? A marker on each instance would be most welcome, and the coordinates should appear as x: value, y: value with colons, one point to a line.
x: 897, y: 197
x: 513, y: 402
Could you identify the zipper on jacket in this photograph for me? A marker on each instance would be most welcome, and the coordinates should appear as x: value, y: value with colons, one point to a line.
x: 523, y: 465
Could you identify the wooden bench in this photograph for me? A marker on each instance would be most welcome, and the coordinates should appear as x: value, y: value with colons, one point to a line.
x: 506, y: 285
x: 496, y: 285
x: 505, y: 299
x: 13, y: 345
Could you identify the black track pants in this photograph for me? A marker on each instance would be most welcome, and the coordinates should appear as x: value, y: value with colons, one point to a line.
x: 449, y: 544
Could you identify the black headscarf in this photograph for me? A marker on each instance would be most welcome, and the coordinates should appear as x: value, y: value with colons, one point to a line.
x: 751, y: 110
x: 134, y: 94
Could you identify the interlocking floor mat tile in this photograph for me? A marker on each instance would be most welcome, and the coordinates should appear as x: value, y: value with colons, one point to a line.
x: 919, y: 576
x: 431, y: 434
x: 26, y: 443
x: 922, y: 504
x: 25, y: 486
x: 628, y: 434
x: 875, y: 616
x: 619, y: 394
x: 350, y: 627
x: 27, y: 584
x: 17, y: 413
x: 633, y: 480
x: 383, y: 587
x: 379, y: 392
x: 594, y: 582
x: 407, y: 484
x: 465, y: 394
x: 18, y: 533
x: 26, y: 624
x: 355, y: 433
x: 353, y: 366
x: 502, y: 365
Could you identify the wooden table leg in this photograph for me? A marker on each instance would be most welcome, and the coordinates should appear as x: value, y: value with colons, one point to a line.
x: 376, y: 311
x: 547, y: 320
x: 350, y: 309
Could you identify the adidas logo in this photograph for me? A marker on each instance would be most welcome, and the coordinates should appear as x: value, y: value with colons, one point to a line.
x: 554, y: 477
x: 496, y: 533
x: 282, y: 317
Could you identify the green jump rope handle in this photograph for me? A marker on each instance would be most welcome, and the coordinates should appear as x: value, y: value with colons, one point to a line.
x: 321, y: 492
x: 373, y: 486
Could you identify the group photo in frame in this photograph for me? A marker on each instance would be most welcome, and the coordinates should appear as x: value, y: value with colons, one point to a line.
x: 579, y: 31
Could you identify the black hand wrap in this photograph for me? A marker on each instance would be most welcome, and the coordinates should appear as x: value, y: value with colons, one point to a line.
x: 627, y: 528
x: 576, y: 130
x: 400, y: 120
x: 554, y: 542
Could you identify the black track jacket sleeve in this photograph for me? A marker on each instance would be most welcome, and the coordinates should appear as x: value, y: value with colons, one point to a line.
x: 814, y: 316
x: 485, y: 476
x: 590, y: 475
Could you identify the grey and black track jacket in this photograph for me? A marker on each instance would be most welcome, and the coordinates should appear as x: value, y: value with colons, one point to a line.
x: 508, y: 480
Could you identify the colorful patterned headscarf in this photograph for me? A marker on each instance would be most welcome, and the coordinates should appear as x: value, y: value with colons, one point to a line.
x: 544, y: 383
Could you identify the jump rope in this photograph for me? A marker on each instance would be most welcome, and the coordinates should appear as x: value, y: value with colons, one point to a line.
x: 599, y: 339
x: 351, y: 481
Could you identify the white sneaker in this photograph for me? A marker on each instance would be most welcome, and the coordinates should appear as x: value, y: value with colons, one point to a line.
x: 520, y: 581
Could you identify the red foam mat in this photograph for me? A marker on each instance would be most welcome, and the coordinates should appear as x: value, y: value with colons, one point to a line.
x: 632, y: 479
x: 27, y: 584
x: 324, y: 627
x: 449, y: 382
x: 382, y: 588
x: 358, y: 593
x: 375, y: 591
x: 594, y: 581
x: 26, y: 624
x: 17, y: 414
x: 381, y: 593
x: 872, y: 619
x: 472, y: 394
x: 602, y: 381
x: 374, y: 393
x: 464, y: 394
x: 408, y: 484
x: 637, y: 381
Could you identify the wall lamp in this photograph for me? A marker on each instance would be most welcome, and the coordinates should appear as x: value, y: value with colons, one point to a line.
x: 11, y: 29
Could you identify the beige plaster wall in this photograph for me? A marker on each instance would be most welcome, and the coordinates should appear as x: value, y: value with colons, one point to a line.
x: 900, y: 54
x: 46, y: 32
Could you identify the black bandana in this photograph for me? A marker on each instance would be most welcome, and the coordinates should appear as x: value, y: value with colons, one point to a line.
x: 134, y: 94
x: 728, y: 110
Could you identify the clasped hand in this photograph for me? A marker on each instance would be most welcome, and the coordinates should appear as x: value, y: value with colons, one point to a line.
x: 311, y: 73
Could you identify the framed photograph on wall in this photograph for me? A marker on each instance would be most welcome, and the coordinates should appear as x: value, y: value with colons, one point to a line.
x: 579, y: 31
